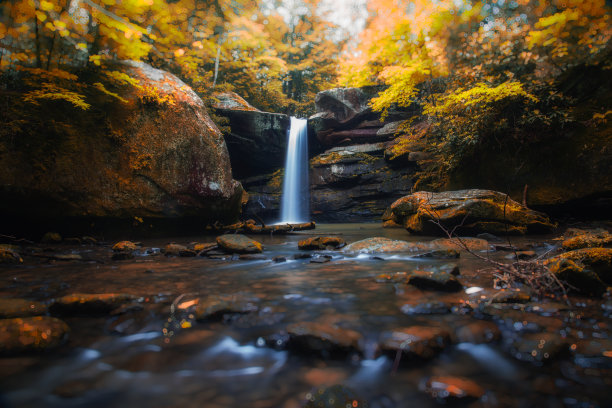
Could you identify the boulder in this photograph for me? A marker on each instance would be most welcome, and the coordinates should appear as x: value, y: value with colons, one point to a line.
x: 321, y: 243
x: 125, y: 246
x: 257, y: 141
x: 31, y: 334
x: 578, y: 276
x: 382, y: 245
x: 239, y: 244
x: 588, y: 239
x: 599, y: 260
x: 469, y: 210
x: 173, y: 249
x: 344, y: 104
x: 152, y: 151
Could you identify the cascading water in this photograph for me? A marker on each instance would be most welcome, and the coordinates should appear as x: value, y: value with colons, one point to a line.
x: 296, y: 198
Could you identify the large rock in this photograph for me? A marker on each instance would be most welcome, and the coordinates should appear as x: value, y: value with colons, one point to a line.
x: 239, y: 244
x: 154, y: 153
x: 470, y: 210
x: 257, y: 140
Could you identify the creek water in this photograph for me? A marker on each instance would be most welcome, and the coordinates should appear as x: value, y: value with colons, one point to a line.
x: 157, y: 356
x: 295, y: 199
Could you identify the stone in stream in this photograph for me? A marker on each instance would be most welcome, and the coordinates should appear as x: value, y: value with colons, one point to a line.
x: 599, y: 260
x: 435, y: 279
x: 252, y: 257
x: 326, y: 339
x: 335, y: 396
x: 216, y: 306
x: 577, y: 276
x: 30, y: 334
x: 381, y: 245
x: 321, y: 243
x: 587, y: 239
x: 320, y: 258
x: 460, y: 244
x: 89, y: 304
x: 202, y: 248
x: 440, y: 254
x: 122, y: 246
x: 9, y: 256
x: 478, y: 331
x: 539, y: 347
x: 521, y: 255
x: 448, y: 389
x: 415, y: 341
x: 238, y: 243
x: 469, y: 210
x: 510, y: 296
x: 20, y: 308
x: 173, y: 249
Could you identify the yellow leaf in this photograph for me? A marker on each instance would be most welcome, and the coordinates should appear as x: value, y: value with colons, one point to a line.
x: 46, y: 5
x: 41, y: 16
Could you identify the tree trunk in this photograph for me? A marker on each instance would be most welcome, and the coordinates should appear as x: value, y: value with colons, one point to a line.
x: 216, y: 66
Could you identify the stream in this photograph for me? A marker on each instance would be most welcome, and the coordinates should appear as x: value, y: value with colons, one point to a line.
x: 156, y: 354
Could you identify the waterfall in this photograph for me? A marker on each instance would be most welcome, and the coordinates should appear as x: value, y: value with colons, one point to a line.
x: 295, y: 201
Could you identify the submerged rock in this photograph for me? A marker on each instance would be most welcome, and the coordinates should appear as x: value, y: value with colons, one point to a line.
x: 323, y: 338
x: 434, y: 307
x: 321, y: 243
x: 470, y: 210
x: 453, y: 388
x: 216, y: 306
x: 88, y: 303
x: 240, y: 244
x: 539, y: 347
x: 31, y: 334
x: 415, y: 341
x: 20, y: 308
x: 435, y: 279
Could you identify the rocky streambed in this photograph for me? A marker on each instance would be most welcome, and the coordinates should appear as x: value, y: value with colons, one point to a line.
x: 361, y: 315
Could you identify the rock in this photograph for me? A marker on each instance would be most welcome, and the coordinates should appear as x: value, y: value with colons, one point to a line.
x: 511, y: 296
x: 178, y: 250
x: 521, y: 255
x: 320, y: 259
x: 252, y: 257
x: 477, y: 332
x: 279, y: 259
x: 415, y: 341
x: 158, y: 155
x: 123, y: 246
x: 588, y: 239
x: 302, y: 256
x: 539, y: 347
x: 389, y: 129
x: 89, y: 304
x: 257, y: 140
x: 470, y: 210
x: 323, y: 338
x: 489, y: 237
x: 51, y: 237
x: 8, y: 256
x: 89, y: 240
x: 31, y: 334
x: 20, y: 308
x: 460, y: 244
x: 419, y: 156
x: 391, y: 224
x: 67, y: 257
x: 577, y: 276
x: 216, y: 306
x: 439, y: 254
x: 122, y: 256
x: 321, y: 243
x: 336, y: 396
x: 434, y: 307
x: 383, y: 245
x: 345, y: 103
x: 446, y: 388
x: 204, y: 247
x: 434, y: 279
x: 599, y: 260
x: 240, y: 244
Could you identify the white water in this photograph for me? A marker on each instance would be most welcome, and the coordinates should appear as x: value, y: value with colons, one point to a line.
x: 295, y: 200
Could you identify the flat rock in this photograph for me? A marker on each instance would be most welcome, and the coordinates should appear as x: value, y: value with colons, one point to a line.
x: 89, y: 303
x: 216, y: 306
x: 434, y: 279
x: 448, y: 388
x: 440, y: 254
x: 470, y: 210
x: 382, y: 245
x: 21, y: 308
x: 178, y: 250
x: 415, y: 341
x: 31, y: 334
x: 460, y: 244
x: 321, y: 243
x: 240, y: 244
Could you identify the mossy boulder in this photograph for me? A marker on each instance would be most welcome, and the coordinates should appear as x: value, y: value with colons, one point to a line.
x: 599, y: 260
x: 470, y: 211
x: 587, y: 239
x: 151, y: 150
x: 577, y: 276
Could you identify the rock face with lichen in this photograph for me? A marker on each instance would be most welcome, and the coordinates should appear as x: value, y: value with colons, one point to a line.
x: 151, y: 150
x: 469, y: 210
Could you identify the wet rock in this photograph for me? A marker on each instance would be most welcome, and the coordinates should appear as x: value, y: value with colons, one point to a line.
x: 433, y: 307
x: 327, y: 339
x: 336, y: 396
x: 216, y: 306
x: 51, y: 238
x: 252, y: 257
x: 20, y: 308
x: 321, y: 243
x: 521, y: 255
x: 67, y: 257
x: 89, y: 240
x: 577, y: 276
x: 440, y: 254
x: 178, y: 250
x: 124, y: 246
x: 460, y: 244
x: 398, y: 277
x: 240, y: 244
x: 587, y: 239
x: 279, y: 259
x: 89, y: 304
x: 453, y: 388
x: 434, y: 279
x: 539, y: 347
x: 122, y: 255
x: 469, y: 210
x: 489, y: 237
x: 381, y: 245
x: 320, y: 258
x: 31, y: 334
x: 9, y: 256
x: 479, y: 331
x: 511, y: 296
x: 302, y: 256
x: 202, y: 248
x: 599, y: 260
x: 415, y: 341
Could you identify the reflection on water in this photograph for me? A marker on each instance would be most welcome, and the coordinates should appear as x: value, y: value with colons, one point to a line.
x: 160, y: 355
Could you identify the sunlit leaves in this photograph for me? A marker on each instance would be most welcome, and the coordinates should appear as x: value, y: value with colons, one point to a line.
x: 53, y: 92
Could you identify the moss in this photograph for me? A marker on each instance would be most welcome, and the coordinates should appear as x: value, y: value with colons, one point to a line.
x: 588, y: 239
x: 597, y: 259
x: 577, y: 276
